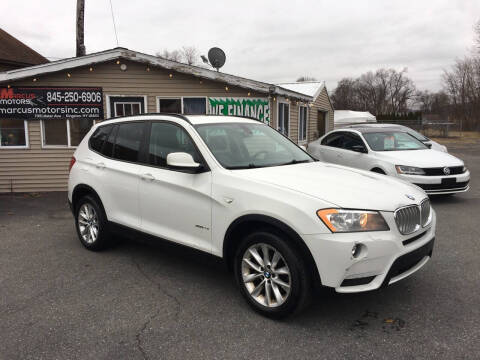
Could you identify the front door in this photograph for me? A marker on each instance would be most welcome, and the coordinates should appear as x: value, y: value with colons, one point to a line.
x: 174, y: 205
x: 321, y: 116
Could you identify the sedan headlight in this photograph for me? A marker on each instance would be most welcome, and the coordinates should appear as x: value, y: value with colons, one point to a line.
x: 409, y: 170
x: 464, y: 169
x: 340, y: 220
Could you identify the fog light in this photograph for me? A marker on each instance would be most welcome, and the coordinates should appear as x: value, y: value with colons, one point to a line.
x: 355, y: 250
x: 359, y: 250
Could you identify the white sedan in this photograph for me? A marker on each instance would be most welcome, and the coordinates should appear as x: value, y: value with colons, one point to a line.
x: 393, y: 152
x: 427, y: 141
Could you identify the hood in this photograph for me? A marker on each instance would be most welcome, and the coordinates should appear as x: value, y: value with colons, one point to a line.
x: 343, y: 186
x: 420, y: 158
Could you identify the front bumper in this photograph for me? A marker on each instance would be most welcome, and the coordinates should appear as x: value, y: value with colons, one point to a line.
x: 386, y: 257
x: 440, y: 184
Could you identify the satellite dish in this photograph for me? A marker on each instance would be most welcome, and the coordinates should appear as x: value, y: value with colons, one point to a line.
x: 217, y: 57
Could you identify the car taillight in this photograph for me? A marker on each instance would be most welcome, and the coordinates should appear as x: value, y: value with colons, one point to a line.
x: 72, y: 162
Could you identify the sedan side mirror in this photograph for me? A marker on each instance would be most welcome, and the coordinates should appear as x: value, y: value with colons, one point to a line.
x: 429, y: 145
x: 359, y: 148
x: 182, y: 160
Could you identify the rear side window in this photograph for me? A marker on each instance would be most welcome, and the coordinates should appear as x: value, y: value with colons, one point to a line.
x: 98, y: 137
x: 110, y: 142
x: 334, y: 140
x: 128, y: 140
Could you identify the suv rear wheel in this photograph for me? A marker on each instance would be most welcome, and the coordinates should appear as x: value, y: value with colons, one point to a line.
x: 271, y: 275
x: 91, y: 224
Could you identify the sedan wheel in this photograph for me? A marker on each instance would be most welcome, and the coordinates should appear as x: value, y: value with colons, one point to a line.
x: 266, y: 275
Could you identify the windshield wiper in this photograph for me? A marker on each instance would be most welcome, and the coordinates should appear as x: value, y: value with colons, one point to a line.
x: 249, y: 166
x: 294, y: 161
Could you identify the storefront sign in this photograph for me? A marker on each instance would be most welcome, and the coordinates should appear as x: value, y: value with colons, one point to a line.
x: 32, y: 102
x: 258, y: 108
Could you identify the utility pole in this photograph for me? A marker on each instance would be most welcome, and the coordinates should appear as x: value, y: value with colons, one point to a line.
x: 80, y: 27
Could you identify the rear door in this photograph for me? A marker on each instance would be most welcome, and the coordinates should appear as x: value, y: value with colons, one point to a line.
x: 118, y: 172
x: 175, y: 204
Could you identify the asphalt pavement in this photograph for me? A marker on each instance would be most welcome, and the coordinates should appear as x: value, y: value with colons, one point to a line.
x: 160, y: 301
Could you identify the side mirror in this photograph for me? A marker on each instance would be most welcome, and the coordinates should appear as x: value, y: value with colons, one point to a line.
x: 429, y: 145
x: 359, y: 148
x: 182, y: 160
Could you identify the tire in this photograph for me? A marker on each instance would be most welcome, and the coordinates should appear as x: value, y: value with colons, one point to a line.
x: 292, y: 299
x: 378, y: 171
x: 89, y: 214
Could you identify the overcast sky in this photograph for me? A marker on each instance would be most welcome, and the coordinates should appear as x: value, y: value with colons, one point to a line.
x: 273, y: 41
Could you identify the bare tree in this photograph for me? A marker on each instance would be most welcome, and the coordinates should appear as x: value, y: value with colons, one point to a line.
x: 305, y: 78
x: 380, y: 92
x: 187, y: 54
x: 174, y: 55
x: 190, y: 55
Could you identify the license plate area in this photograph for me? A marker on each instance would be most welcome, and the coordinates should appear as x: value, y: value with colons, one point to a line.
x: 449, y: 181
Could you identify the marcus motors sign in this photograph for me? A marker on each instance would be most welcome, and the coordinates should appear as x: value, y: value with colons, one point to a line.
x: 30, y: 102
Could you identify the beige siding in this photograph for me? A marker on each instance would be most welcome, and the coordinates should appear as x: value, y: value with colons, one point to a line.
x: 321, y: 103
x: 39, y: 169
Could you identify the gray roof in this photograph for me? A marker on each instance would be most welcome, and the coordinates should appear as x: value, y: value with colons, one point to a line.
x: 126, y: 54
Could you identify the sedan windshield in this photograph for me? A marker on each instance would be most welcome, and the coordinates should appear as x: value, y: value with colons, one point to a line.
x: 392, y: 141
x: 246, y: 145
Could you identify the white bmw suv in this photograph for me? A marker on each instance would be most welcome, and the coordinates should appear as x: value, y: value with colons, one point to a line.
x: 238, y: 189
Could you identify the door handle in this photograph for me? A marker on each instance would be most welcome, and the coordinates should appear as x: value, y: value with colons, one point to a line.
x: 100, y: 165
x: 147, y: 177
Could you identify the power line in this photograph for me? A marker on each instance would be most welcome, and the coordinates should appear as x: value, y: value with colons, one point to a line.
x: 113, y: 20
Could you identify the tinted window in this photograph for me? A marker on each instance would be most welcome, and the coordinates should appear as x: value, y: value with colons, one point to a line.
x: 128, y: 140
x: 99, y: 136
x: 335, y: 140
x: 108, y: 145
x: 351, y: 140
x: 166, y: 138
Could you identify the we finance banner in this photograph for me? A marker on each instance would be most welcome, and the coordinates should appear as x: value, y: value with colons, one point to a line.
x: 258, y: 108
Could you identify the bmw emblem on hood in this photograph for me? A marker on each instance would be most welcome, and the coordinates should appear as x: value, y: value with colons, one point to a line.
x: 446, y: 170
x: 411, y: 197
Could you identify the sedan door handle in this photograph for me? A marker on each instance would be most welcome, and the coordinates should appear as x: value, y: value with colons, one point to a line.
x: 147, y: 177
x: 100, y: 165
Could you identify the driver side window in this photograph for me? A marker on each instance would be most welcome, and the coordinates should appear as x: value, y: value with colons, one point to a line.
x: 166, y: 138
x: 352, y: 142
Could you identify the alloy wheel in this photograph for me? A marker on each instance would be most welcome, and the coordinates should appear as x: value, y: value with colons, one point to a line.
x: 88, y: 223
x: 266, y: 275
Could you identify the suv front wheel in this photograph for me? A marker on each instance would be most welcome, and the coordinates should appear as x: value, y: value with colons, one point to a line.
x: 271, y: 275
x: 91, y: 224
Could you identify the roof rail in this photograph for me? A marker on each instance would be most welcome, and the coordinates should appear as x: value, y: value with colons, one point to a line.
x: 179, y: 116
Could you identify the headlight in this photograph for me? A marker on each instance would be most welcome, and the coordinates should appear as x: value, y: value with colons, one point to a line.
x: 464, y: 169
x: 409, y: 170
x: 339, y: 220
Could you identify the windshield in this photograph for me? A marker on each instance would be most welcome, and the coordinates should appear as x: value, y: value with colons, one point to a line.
x: 392, y: 141
x: 417, y: 135
x: 246, y: 145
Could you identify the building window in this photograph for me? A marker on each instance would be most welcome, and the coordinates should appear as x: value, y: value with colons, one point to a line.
x: 172, y: 106
x: 64, y: 133
x: 302, y: 123
x: 126, y: 105
x: 195, y: 106
x: 13, y: 133
x: 284, y: 118
x: 78, y: 129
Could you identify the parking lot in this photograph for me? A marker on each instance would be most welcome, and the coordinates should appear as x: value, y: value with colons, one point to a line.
x: 155, y: 301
